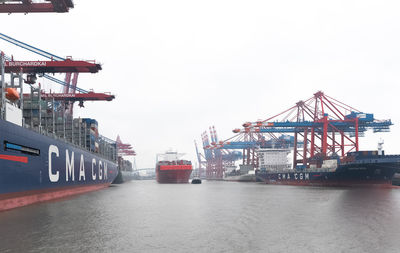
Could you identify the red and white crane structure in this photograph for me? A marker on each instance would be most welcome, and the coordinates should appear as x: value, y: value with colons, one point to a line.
x: 322, y: 127
x: 124, y: 149
x: 56, y: 64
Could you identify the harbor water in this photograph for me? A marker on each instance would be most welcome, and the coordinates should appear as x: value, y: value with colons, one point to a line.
x: 143, y: 216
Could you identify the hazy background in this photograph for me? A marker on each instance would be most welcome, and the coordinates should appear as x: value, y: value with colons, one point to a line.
x: 178, y: 67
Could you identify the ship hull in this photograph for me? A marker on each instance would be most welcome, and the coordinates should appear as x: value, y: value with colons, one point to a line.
x: 173, y: 176
x: 19, y: 199
x: 124, y: 176
x: 171, y: 170
x: 361, y: 174
x: 241, y: 178
x: 36, y: 168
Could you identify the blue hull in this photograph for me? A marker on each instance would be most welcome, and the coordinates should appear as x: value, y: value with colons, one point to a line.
x: 377, y: 171
x: 31, y: 162
x: 124, y: 176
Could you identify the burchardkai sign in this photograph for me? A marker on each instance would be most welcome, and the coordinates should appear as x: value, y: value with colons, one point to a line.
x: 25, y: 63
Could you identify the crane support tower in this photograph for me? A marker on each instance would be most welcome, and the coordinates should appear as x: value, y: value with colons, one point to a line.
x: 201, y: 161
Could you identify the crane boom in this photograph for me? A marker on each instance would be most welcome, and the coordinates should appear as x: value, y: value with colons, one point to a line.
x: 91, y: 96
x: 30, y: 48
x: 26, y: 6
x: 51, y: 66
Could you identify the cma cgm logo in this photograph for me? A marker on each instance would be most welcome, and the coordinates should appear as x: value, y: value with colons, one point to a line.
x: 295, y: 176
x: 99, y: 169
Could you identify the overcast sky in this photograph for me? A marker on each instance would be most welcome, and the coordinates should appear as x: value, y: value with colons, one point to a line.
x: 178, y: 67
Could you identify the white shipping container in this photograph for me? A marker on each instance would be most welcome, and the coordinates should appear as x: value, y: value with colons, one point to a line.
x: 273, y: 158
x: 331, y: 164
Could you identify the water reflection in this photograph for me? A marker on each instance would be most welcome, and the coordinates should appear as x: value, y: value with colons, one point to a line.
x: 216, y: 217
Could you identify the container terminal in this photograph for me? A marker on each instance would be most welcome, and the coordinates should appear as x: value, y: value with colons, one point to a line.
x: 324, y: 142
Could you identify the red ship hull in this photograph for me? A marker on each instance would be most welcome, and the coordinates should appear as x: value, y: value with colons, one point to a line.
x: 173, y: 174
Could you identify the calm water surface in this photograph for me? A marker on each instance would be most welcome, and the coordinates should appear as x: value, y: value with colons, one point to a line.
x: 143, y: 216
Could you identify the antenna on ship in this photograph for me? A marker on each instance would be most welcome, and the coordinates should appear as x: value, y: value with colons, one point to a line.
x: 380, y: 146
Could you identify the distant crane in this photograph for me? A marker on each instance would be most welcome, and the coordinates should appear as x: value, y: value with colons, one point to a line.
x: 217, y: 159
x: 124, y: 149
x: 249, y: 142
x: 201, y: 161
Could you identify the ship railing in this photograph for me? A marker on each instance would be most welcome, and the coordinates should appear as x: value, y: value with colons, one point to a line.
x: 297, y: 171
x: 392, y: 156
x: 386, y: 158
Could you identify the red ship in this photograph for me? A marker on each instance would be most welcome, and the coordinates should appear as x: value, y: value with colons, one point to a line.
x: 169, y: 169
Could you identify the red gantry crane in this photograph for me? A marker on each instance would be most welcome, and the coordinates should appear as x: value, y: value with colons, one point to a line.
x: 56, y: 64
x: 322, y: 126
x: 124, y: 149
x: 34, y: 67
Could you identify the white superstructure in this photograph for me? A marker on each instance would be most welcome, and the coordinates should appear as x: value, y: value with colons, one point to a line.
x: 273, y: 159
x: 169, y: 156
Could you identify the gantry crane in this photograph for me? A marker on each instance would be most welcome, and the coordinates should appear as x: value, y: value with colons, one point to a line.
x: 322, y: 127
x: 249, y: 142
x: 56, y: 64
x: 124, y: 149
x: 202, y: 161
x: 217, y: 159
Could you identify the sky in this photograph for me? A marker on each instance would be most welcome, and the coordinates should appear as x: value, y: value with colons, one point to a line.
x: 178, y: 67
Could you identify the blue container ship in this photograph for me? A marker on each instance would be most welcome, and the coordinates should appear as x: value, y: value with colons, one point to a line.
x: 361, y: 168
x: 45, y: 153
